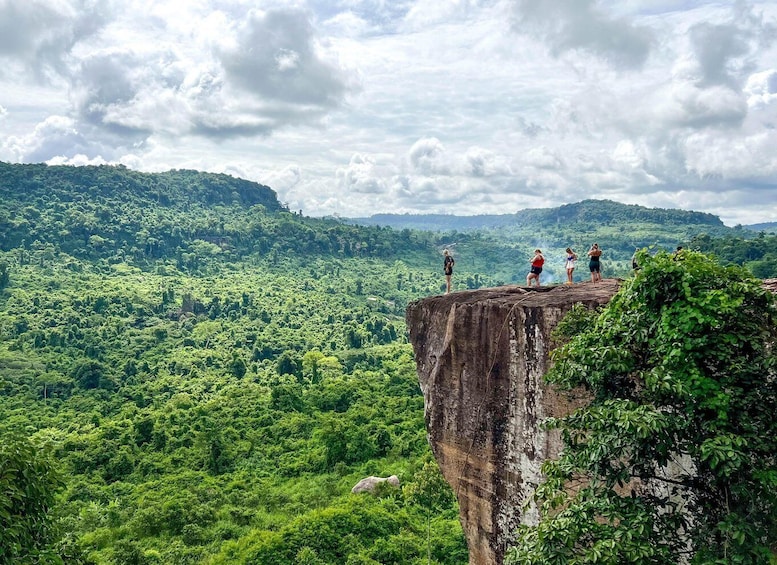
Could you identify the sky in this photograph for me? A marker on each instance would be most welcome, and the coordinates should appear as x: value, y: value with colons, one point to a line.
x: 357, y: 107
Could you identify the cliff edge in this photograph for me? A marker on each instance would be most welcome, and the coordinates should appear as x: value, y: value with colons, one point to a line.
x: 480, y: 358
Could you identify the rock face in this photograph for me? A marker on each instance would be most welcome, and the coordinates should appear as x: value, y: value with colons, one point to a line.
x: 480, y: 358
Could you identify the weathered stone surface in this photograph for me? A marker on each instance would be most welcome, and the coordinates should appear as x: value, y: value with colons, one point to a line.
x: 369, y: 484
x: 480, y: 357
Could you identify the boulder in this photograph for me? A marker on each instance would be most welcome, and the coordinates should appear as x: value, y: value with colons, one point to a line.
x: 369, y: 484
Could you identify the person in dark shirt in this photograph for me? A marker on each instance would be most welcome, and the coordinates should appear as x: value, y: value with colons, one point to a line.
x: 447, y: 267
x: 594, y: 265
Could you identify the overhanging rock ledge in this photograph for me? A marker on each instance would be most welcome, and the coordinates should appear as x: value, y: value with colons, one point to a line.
x: 480, y: 358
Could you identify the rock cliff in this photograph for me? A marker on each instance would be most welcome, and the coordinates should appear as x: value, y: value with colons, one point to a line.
x: 480, y: 357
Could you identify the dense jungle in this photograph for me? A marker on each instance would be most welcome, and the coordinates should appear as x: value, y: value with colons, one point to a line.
x: 192, y: 373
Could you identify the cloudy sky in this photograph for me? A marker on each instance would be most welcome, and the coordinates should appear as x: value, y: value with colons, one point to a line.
x: 355, y: 107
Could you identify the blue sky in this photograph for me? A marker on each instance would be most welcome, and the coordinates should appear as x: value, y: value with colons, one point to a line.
x: 355, y: 107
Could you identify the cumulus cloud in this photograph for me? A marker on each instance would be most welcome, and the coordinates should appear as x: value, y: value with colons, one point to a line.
x: 282, y: 180
x: 78, y: 160
x: 714, y: 157
x: 481, y: 162
x: 107, y: 85
x: 427, y: 157
x: 55, y: 136
x: 760, y: 89
x: 361, y: 176
x: 568, y: 25
x: 716, y: 48
x: 688, y: 105
x: 275, y: 58
x: 40, y: 34
x: 543, y: 158
x: 242, y: 72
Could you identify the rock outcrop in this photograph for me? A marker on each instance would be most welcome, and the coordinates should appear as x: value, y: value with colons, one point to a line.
x: 370, y: 484
x: 480, y: 357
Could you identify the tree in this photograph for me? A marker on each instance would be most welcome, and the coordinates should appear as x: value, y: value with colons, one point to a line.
x: 237, y: 367
x: 310, y: 365
x: 289, y: 363
x: 5, y: 276
x: 28, y: 484
x: 91, y: 374
x: 429, y: 491
x: 675, y: 458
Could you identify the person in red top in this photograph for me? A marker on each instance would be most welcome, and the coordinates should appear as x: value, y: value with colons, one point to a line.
x: 536, y: 268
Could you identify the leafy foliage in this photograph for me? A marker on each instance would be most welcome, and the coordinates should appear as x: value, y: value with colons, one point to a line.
x: 211, y: 391
x: 28, y: 484
x: 213, y: 372
x: 758, y: 254
x: 675, y: 458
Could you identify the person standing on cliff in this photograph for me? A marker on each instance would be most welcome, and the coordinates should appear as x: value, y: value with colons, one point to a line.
x: 594, y: 265
x: 536, y: 268
x: 447, y: 267
x: 570, y: 264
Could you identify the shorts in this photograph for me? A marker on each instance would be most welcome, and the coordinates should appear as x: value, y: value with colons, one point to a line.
x: 570, y: 265
x: 593, y: 266
x: 536, y: 270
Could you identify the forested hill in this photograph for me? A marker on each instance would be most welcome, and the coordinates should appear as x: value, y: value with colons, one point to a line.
x: 114, y: 213
x: 33, y: 183
x: 769, y: 227
x: 587, y: 212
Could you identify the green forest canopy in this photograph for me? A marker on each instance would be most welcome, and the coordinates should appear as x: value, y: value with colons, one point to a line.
x: 212, y: 373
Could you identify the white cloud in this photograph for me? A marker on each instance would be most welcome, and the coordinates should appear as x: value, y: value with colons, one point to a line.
x: 78, y: 160
x: 348, y: 24
x: 424, y: 13
x: 37, y: 35
x: 709, y: 156
x: 284, y: 179
x: 55, y: 136
x: 242, y: 73
x: 481, y: 162
x: 276, y: 58
x: 568, y: 25
x: 715, y: 106
x: 544, y: 158
x: 761, y: 89
x: 427, y: 157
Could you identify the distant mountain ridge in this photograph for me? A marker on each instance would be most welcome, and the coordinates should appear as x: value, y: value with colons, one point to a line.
x: 586, y: 211
x: 765, y: 227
